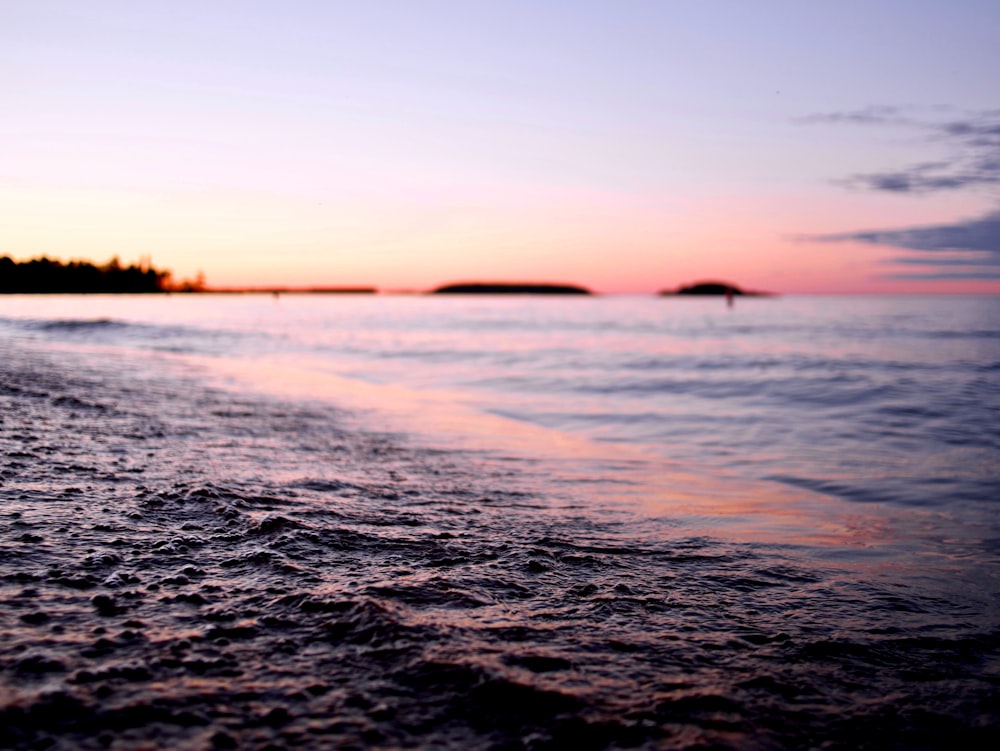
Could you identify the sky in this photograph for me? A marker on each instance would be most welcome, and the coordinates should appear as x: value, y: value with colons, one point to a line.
x: 629, y: 146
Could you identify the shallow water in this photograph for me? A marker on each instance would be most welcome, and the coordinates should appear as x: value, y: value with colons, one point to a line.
x: 804, y: 417
x: 865, y: 398
x: 199, y: 554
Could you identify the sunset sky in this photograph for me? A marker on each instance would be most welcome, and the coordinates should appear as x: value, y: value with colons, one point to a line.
x: 849, y: 146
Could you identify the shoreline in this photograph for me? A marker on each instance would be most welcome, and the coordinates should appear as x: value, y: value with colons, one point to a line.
x: 188, y: 567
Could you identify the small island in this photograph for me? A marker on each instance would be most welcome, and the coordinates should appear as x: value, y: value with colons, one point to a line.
x: 719, y: 289
x: 510, y: 288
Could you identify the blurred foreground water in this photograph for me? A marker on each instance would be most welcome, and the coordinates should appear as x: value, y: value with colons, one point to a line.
x: 521, y: 522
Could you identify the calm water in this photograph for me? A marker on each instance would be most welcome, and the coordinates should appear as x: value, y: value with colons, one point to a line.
x: 882, y: 399
x: 550, y: 523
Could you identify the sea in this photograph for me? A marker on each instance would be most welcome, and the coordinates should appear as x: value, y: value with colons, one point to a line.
x: 768, y: 524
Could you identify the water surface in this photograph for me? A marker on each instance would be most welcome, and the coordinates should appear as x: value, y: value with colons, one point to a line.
x: 522, y: 523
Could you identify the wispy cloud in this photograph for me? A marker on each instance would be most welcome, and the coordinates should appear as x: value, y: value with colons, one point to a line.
x: 964, y: 249
x: 873, y: 115
x: 973, y: 138
x: 973, y: 245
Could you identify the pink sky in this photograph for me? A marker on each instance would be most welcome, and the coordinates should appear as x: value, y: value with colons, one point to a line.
x: 628, y: 148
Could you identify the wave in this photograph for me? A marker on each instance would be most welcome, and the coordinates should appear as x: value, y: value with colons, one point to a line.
x: 912, y: 492
x: 157, y: 337
x: 277, y: 580
x: 76, y: 324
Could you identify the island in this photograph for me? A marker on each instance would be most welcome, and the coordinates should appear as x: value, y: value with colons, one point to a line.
x: 510, y: 288
x: 716, y: 288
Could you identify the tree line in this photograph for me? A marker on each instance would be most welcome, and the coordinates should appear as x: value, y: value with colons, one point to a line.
x: 45, y: 275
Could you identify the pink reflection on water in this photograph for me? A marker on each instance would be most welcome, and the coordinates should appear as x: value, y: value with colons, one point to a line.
x: 570, y: 470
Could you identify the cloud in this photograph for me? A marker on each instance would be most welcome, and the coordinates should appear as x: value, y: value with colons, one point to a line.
x: 873, y: 115
x: 927, y: 178
x: 965, y: 249
x: 971, y: 244
x: 981, y: 235
x: 972, y: 138
x: 957, y: 276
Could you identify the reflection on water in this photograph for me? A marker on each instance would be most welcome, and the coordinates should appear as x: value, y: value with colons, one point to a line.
x: 245, y: 571
x: 679, y: 500
x: 442, y: 565
x: 673, y: 403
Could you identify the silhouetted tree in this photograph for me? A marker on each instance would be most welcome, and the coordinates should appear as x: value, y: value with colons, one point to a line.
x: 45, y: 275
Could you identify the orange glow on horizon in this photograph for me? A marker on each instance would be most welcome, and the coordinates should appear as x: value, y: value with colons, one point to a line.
x: 610, y: 242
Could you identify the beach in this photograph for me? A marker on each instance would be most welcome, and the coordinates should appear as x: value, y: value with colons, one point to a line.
x: 189, y: 567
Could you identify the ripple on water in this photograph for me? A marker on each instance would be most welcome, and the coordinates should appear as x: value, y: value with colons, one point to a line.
x: 377, y: 599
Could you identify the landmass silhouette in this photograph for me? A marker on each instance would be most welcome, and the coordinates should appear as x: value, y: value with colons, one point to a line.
x: 510, y: 288
x: 714, y: 288
x: 44, y: 275
x: 293, y: 290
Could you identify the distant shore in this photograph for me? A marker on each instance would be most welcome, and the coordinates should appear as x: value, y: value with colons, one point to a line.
x: 510, y: 288
x: 43, y: 275
x: 292, y: 291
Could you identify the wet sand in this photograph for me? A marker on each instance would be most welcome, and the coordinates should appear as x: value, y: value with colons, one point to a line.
x: 185, y: 567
